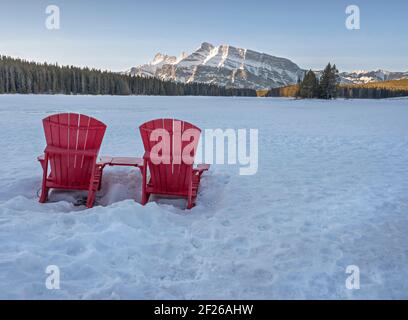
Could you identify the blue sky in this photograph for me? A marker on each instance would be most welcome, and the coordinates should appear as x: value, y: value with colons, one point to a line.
x: 116, y: 35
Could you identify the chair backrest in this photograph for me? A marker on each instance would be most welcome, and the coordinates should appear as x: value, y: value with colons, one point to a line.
x: 172, y: 176
x: 74, y: 132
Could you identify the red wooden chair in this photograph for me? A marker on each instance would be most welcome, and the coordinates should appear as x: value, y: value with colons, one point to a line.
x: 73, y: 143
x: 176, y: 177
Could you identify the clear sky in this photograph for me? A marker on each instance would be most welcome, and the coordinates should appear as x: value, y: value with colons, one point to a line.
x: 119, y: 34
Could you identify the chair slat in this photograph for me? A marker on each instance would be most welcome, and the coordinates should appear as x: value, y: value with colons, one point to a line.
x: 64, y: 143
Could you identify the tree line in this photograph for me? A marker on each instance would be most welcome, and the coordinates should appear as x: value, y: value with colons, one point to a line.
x: 377, y: 90
x: 328, y: 87
x: 311, y: 86
x: 21, y: 76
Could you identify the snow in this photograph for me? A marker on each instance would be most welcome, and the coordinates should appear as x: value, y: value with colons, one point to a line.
x: 213, y: 53
x: 331, y: 191
x: 160, y: 59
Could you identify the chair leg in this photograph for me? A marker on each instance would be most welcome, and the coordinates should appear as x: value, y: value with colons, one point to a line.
x: 145, y: 194
x: 145, y: 198
x: 44, y: 194
x: 190, y: 199
x: 93, y: 186
x: 100, y: 182
x: 190, y: 203
x: 91, y: 199
x: 44, y: 189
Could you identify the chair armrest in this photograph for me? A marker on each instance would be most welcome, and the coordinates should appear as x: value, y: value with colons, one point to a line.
x: 56, y: 150
x: 104, y: 161
x: 147, y: 155
x: 202, y: 167
x: 41, y: 159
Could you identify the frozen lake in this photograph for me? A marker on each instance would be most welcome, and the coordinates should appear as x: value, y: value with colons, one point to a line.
x: 331, y: 191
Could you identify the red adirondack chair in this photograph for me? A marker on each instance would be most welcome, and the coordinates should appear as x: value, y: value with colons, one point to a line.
x: 174, y: 177
x: 73, y: 143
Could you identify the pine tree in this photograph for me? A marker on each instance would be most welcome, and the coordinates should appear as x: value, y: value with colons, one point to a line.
x: 328, y: 82
x: 308, y: 88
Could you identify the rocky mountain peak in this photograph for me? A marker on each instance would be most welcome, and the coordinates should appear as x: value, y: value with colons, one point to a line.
x: 223, y: 65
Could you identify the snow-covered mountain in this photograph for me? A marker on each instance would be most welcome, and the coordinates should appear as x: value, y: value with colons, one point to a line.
x: 363, y: 76
x: 223, y: 65
x: 241, y: 68
x: 158, y: 62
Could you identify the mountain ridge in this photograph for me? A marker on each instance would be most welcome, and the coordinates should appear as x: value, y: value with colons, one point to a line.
x: 235, y: 67
x: 224, y: 65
